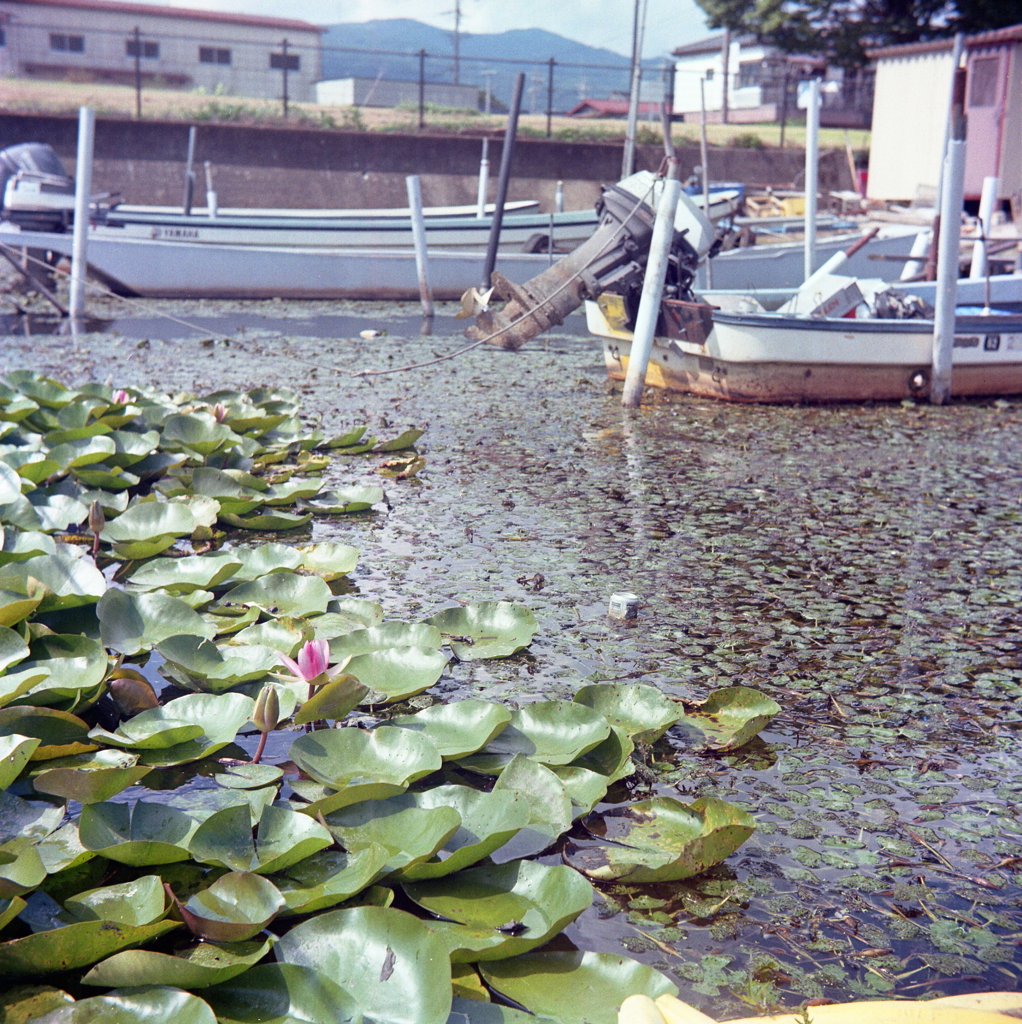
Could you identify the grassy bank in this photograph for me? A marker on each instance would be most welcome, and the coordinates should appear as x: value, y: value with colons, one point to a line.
x: 25, y: 96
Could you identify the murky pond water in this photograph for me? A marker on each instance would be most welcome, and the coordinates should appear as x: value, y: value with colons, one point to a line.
x: 862, y: 565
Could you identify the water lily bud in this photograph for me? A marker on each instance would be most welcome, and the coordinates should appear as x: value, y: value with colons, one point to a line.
x: 219, y: 412
x: 267, y: 709
x: 120, y: 397
x: 97, y: 519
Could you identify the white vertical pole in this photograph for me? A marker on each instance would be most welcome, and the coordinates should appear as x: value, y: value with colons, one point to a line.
x: 987, y: 201
x: 628, y: 157
x: 484, y: 180
x: 419, y: 236
x: 953, y: 180
x: 812, y: 174
x: 83, y: 188
x: 708, y: 270
x: 559, y: 198
x: 652, y: 289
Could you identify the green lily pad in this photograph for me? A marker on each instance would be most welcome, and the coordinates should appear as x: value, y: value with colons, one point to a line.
x: 478, y: 903
x: 489, y: 629
x: 357, y: 765
x: 60, y: 734
x: 149, y: 1004
x: 384, y: 636
x: 283, y: 635
x: 74, y: 945
x: 640, y: 711
x: 345, y: 500
x: 410, y: 833
x: 397, y: 673
x: 19, y: 599
x: 389, y: 962
x: 488, y: 821
x: 732, y: 716
x: 149, y: 519
x: 198, y: 966
x: 62, y: 849
x: 282, y: 838
x: 15, y: 751
x: 26, y: 544
x: 132, y: 903
x: 109, y: 478
x: 198, y: 664
x: 585, y: 988
x: 585, y: 789
x: 90, y: 778
x: 183, y: 575
x: 283, y: 593
x: 288, y: 492
x: 138, y: 835
x: 24, y: 1003
x: 81, y: 452
x: 283, y: 994
x: 662, y: 840
x: 332, y: 701
x: 263, y: 560
x: 267, y: 520
x: 248, y: 776
x: 130, y: 623
x: 131, y: 447
x: 69, y: 579
x: 329, y: 560
x: 457, y: 729
x: 550, y: 732
x: 74, y: 665
x: 551, y: 807
x: 474, y: 1011
x: 347, y: 439
x: 12, y: 648
x: 612, y: 758
x: 219, y: 715
x: 234, y: 908
x: 401, y: 442
x: 197, y: 432
x: 329, y: 877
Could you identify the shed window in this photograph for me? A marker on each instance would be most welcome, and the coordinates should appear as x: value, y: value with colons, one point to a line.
x: 709, y: 75
x: 214, y: 55
x: 3, y: 36
x: 149, y: 49
x: 70, y: 44
x: 290, y: 61
x: 983, y: 74
x: 749, y: 73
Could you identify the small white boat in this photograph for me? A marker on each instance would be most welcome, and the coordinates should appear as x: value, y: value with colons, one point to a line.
x: 775, y: 357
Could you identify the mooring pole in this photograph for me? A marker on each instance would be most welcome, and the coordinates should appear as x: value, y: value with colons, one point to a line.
x: 138, y: 72
x: 503, y: 178
x: 652, y: 288
x: 705, y: 169
x: 83, y: 187
x: 189, y: 192
x: 987, y: 202
x: 948, y: 248
x: 812, y: 175
x: 419, y: 238
x: 422, y: 89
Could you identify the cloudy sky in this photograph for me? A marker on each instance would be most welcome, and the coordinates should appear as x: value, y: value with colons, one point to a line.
x: 608, y: 23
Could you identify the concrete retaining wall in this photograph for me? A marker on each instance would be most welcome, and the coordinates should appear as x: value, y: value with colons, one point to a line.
x: 306, y: 167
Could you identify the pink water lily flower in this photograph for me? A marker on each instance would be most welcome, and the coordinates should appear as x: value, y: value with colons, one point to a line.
x: 120, y: 397
x: 313, y: 661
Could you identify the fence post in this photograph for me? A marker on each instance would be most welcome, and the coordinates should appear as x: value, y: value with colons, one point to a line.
x: 549, y: 95
x: 283, y: 64
x: 422, y: 89
x: 138, y: 73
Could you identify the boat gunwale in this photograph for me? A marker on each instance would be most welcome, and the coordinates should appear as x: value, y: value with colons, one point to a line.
x: 968, y: 324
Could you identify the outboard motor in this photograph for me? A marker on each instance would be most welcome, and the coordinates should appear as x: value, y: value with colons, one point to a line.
x: 613, y: 260
x: 36, y: 192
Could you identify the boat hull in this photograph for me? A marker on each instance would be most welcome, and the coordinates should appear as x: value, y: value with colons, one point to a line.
x: 775, y: 359
x: 153, y: 268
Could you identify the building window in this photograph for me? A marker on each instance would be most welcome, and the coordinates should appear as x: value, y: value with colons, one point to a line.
x: 70, y: 44
x: 983, y: 85
x: 149, y: 49
x: 709, y: 75
x: 750, y: 74
x: 289, y: 62
x: 3, y: 36
x: 214, y: 55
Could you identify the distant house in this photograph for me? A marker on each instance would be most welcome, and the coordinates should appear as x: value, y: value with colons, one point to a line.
x: 95, y: 41
x: 612, y: 108
x: 762, y: 83
x: 910, y: 110
x: 393, y: 92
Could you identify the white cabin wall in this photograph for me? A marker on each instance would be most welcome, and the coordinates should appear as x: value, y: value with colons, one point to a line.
x: 909, y: 112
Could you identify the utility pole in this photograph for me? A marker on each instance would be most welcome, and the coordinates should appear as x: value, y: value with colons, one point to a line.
x: 283, y: 65
x: 628, y: 157
x: 549, y: 96
x: 457, y: 38
x: 422, y: 89
x: 725, y: 58
x: 138, y: 73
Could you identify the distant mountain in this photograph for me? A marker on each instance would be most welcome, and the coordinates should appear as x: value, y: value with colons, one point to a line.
x: 398, y: 41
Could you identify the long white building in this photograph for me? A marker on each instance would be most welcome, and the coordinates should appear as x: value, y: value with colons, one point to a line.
x: 178, y: 48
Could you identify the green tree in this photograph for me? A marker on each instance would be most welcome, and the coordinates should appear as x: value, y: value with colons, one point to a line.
x: 846, y: 29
